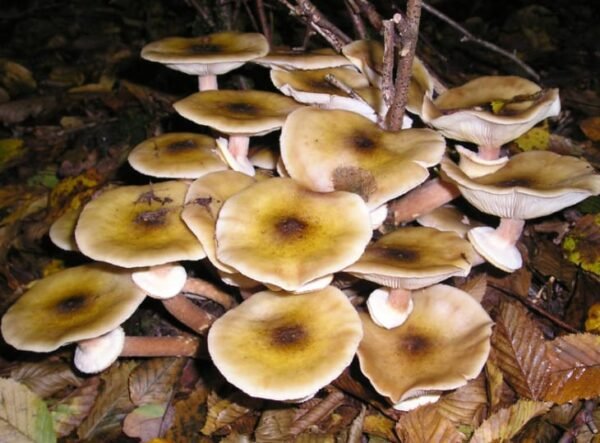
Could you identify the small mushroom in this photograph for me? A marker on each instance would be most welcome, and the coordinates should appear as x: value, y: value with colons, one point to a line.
x: 444, y: 343
x: 177, y: 155
x: 240, y: 114
x: 282, y: 234
x: 207, y: 56
x: 286, y: 346
x: 531, y: 184
x: 96, y: 354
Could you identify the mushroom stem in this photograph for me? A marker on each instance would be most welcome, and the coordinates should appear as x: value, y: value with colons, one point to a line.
x: 188, y: 313
x: 400, y: 299
x: 178, y: 346
x: 430, y: 195
x: 207, y: 82
x: 390, y: 307
x: 510, y: 230
x: 208, y: 290
x: 488, y: 152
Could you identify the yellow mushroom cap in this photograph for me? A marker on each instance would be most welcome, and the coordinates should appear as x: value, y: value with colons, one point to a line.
x: 71, y: 305
x: 442, y: 344
x: 133, y: 226
x: 531, y: 184
x: 237, y: 112
x: 62, y: 231
x: 458, y: 113
x: 203, y: 202
x: 210, y: 54
x: 286, y: 347
x: 414, y: 257
x: 284, y: 58
x: 280, y: 233
x: 328, y: 150
x: 177, y: 155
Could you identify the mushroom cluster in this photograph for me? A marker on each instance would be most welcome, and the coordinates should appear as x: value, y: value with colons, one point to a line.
x: 280, y: 237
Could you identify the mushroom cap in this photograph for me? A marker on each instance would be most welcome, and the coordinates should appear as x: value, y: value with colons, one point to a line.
x: 207, y: 55
x: 448, y: 218
x: 531, y: 184
x: 96, y: 354
x: 283, y: 58
x: 71, y: 305
x: 203, y: 202
x: 280, y: 233
x: 457, y: 112
x: 237, y: 112
x: 133, y: 226
x: 414, y: 257
x: 285, y: 347
x: 444, y: 342
x: 328, y: 150
x: 62, y: 231
x: 177, y: 155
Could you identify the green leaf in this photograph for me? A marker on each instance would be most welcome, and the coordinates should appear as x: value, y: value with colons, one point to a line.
x: 24, y: 417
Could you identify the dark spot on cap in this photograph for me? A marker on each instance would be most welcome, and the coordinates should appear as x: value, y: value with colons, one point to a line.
x: 202, y: 201
x: 362, y: 142
x: 183, y: 145
x: 290, y: 227
x: 241, y: 108
x: 354, y: 179
x: 71, y: 304
x: 525, y: 182
x: 149, y: 197
x: 322, y: 85
x: 205, y: 48
x: 398, y: 254
x: 414, y: 344
x: 287, y: 335
x: 152, y: 218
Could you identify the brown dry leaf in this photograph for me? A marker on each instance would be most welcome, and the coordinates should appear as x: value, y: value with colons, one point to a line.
x: 16, y: 111
x: 353, y: 434
x: 582, y: 243
x: 466, y: 405
x: 274, y: 425
x: 69, y: 412
x: 518, y: 349
x: 591, y: 128
x: 189, y: 415
x: 506, y: 423
x: 548, y: 260
x: 224, y: 411
x: 517, y: 283
x: 16, y: 78
x: 153, y: 380
x: 574, y: 368
x: 501, y: 395
x: 112, y: 404
x: 426, y: 424
x: 145, y: 422
x: 45, y: 378
x: 379, y: 425
x: 475, y: 286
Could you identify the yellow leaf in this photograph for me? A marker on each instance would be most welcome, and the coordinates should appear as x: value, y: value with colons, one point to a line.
x: 536, y: 139
x: 592, y: 323
x: 10, y: 149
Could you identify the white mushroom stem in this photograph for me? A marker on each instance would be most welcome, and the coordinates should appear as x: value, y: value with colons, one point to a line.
x: 235, y: 153
x: 427, y: 197
x: 389, y: 308
x: 498, y: 246
x: 188, y: 313
x: 510, y: 230
x: 488, y: 152
x: 207, y: 82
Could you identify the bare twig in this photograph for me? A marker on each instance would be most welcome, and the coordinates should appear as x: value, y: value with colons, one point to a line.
x: 250, y: 14
x: 334, y: 81
x: 203, y: 13
x: 359, y: 26
x: 308, y: 13
x: 262, y: 17
x: 369, y: 11
x: 467, y: 36
x: 408, y: 28
x: 314, y: 415
x: 389, y: 59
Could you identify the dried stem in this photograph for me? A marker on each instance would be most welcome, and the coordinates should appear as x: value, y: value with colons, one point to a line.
x: 205, y: 289
x: 408, y: 28
x: 357, y: 21
x: 264, y: 23
x: 188, y: 313
x: 430, y: 195
x: 467, y: 36
x: 314, y: 415
x: 389, y: 58
x: 369, y: 11
x: 177, y: 346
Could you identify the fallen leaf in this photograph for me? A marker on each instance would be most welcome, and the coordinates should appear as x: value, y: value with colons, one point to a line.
x: 189, y: 416
x: 582, y: 243
x: 506, y: 423
x: 536, y: 139
x: 16, y: 78
x: 153, y: 380
x: 24, y: 416
x: 224, y: 411
x: 426, y: 424
x: 379, y: 425
x: 11, y: 149
x: 519, y: 350
x: 466, y: 405
x: 69, y: 412
x: 591, y: 128
x: 574, y: 368
x: 145, y: 421
x: 592, y: 323
x: 44, y: 378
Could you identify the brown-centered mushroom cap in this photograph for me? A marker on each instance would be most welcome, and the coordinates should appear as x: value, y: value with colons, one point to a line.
x: 203, y: 201
x: 460, y: 113
x: 280, y: 233
x: 414, y: 257
x: 133, y: 226
x: 329, y: 150
x: 285, y: 347
x: 71, y: 305
x: 442, y: 344
x: 531, y: 184
x: 177, y: 155
x: 237, y: 112
x: 210, y: 54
